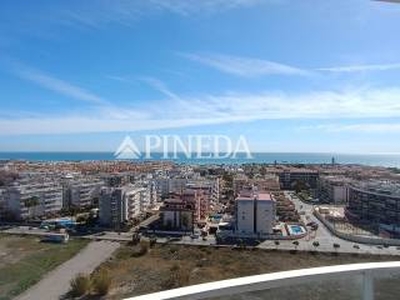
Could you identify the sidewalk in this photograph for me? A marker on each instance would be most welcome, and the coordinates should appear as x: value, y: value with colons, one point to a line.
x: 57, y: 283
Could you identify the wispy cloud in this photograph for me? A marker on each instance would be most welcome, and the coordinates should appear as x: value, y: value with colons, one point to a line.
x: 362, y: 68
x: 156, y: 84
x: 59, y: 86
x: 160, y: 86
x: 360, y: 128
x: 244, y: 66
x: 218, y: 109
x: 125, y: 12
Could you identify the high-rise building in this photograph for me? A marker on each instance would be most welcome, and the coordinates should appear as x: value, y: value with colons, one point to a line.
x: 291, y: 178
x: 255, y: 213
x: 121, y: 205
x: 33, y: 198
x: 333, y: 189
x: 375, y: 203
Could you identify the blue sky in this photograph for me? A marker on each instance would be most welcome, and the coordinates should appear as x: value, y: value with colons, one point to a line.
x: 291, y: 76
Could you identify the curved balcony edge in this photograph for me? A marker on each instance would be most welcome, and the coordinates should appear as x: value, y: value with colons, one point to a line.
x: 367, y: 271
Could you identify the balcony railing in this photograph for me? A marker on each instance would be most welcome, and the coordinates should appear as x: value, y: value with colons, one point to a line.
x: 365, y: 273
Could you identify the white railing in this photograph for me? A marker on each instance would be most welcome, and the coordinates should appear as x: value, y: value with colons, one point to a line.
x: 367, y: 271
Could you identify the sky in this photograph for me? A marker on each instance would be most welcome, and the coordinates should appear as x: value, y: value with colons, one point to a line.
x: 290, y: 76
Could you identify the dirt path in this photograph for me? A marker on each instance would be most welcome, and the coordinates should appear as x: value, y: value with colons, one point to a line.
x: 56, y: 283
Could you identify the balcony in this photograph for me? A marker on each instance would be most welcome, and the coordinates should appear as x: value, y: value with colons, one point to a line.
x: 353, y: 281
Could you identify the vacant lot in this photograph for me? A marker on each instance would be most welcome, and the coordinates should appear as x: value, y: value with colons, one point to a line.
x: 170, y: 266
x: 24, y: 261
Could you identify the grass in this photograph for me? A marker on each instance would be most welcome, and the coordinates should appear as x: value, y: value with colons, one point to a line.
x: 170, y: 266
x: 25, y: 260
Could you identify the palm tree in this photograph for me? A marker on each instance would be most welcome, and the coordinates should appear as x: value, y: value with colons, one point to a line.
x: 185, y: 221
x: 31, y: 202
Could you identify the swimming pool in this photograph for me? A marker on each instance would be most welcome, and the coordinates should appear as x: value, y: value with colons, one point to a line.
x: 296, y: 229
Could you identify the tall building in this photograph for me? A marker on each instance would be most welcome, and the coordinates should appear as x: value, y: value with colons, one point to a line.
x: 375, y: 203
x: 255, y: 213
x: 164, y: 186
x: 33, y: 198
x: 3, y: 207
x: 290, y: 178
x: 177, y: 215
x: 81, y: 192
x: 122, y: 204
x: 333, y: 189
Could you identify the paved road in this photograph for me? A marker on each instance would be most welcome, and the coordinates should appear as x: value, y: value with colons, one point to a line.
x: 56, y: 283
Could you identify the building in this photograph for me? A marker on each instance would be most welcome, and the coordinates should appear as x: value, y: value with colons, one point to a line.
x: 298, y: 177
x: 3, y: 207
x: 375, y: 203
x: 255, y: 213
x: 81, y: 192
x: 333, y: 189
x: 198, y: 200
x: 210, y: 186
x: 118, y: 206
x: 177, y: 215
x: 33, y: 198
x: 148, y: 194
x: 164, y: 186
x: 269, y: 183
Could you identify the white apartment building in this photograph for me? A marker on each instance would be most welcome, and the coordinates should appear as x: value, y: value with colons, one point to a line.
x: 255, y: 213
x: 148, y: 194
x: 81, y: 192
x: 122, y: 204
x: 164, y: 186
x: 3, y: 208
x: 35, y: 198
x: 333, y: 189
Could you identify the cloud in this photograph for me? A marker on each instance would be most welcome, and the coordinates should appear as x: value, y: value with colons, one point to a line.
x: 59, y: 86
x: 362, y: 68
x: 126, y: 12
x: 244, y: 66
x: 218, y: 109
x: 159, y: 86
x: 360, y: 128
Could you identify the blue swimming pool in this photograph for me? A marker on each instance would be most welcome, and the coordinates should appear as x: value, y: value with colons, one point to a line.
x: 296, y: 229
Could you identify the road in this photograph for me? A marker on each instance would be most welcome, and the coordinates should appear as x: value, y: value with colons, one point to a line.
x: 57, y: 282
x: 324, y: 237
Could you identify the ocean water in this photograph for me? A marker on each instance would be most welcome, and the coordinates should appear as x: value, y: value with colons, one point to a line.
x: 386, y: 160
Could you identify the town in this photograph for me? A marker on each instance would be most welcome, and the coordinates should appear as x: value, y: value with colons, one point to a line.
x: 118, y: 214
x: 324, y: 206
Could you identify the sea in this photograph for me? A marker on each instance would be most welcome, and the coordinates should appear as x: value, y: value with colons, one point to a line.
x: 385, y: 160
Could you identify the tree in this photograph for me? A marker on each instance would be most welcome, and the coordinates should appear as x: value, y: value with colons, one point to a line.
x: 276, y: 244
x: 336, y: 246
x: 296, y: 244
x: 316, y: 244
x: 300, y: 185
x: 31, y: 202
x: 185, y: 221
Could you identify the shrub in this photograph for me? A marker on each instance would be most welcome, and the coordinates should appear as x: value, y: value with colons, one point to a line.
x: 143, y: 249
x: 101, y: 282
x: 80, y: 285
x: 178, y: 276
